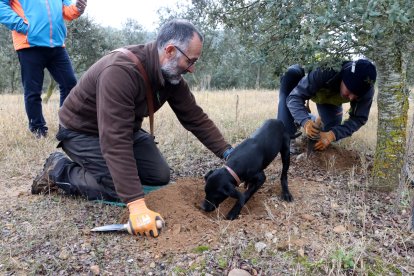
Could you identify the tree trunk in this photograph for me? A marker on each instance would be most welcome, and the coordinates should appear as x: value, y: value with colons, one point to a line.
x: 50, y: 89
x: 410, y: 147
x: 392, y: 117
x: 257, y: 86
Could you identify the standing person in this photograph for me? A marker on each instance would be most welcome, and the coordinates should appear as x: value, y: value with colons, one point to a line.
x: 329, y: 89
x: 111, y: 157
x: 39, y: 33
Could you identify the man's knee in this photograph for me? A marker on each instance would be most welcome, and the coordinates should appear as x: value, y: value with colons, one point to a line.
x: 295, y: 71
x: 164, y: 176
x: 158, y: 177
x: 290, y: 79
x: 332, y: 123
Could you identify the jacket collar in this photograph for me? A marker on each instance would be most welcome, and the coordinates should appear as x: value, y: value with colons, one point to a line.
x: 148, y: 55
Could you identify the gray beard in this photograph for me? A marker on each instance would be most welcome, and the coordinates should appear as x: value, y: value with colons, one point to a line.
x: 170, y: 72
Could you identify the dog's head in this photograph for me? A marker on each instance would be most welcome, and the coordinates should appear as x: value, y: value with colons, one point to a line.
x: 219, y: 186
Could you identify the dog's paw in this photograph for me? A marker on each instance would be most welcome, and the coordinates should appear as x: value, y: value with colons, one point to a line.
x: 287, y: 197
x: 231, y: 216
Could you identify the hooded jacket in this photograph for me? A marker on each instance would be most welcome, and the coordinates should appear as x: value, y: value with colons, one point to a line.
x: 109, y: 101
x: 37, y: 23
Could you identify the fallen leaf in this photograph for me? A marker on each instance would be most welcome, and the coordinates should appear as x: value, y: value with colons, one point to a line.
x: 307, y: 217
x: 176, y: 229
x: 339, y: 229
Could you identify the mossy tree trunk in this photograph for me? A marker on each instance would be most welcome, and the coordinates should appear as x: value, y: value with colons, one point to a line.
x: 392, y: 116
x: 51, y: 87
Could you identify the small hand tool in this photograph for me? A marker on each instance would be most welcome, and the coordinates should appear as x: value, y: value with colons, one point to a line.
x: 111, y: 227
x: 119, y: 227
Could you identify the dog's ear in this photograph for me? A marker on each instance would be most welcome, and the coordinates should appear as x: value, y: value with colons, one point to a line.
x: 208, y: 174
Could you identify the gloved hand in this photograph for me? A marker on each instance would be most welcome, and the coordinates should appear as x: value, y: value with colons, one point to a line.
x: 142, y: 220
x: 312, y: 129
x: 227, y: 153
x: 81, y: 5
x: 325, y: 140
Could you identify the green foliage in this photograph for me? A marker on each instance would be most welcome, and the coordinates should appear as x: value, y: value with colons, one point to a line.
x: 322, y: 33
x: 344, y: 259
x: 10, y: 70
x: 179, y: 270
x: 339, y: 260
x: 227, y: 61
x: 198, y: 265
x: 311, y: 267
x: 249, y: 252
x: 222, y: 262
x: 133, y: 33
x: 378, y: 267
x: 86, y: 42
x: 201, y: 248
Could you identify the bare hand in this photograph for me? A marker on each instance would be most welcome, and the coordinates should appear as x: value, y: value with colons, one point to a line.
x: 81, y: 5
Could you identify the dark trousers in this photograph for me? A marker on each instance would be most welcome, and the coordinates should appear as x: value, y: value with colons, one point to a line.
x: 33, y: 61
x: 87, y: 174
x: 331, y: 115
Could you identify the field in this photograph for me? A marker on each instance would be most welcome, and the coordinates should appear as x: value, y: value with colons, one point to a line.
x: 335, y: 226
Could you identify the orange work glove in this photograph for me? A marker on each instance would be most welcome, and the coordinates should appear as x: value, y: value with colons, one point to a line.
x: 312, y: 129
x: 142, y: 220
x: 325, y: 140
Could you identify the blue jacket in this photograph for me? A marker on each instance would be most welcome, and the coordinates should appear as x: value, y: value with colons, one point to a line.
x: 322, y: 87
x: 37, y: 22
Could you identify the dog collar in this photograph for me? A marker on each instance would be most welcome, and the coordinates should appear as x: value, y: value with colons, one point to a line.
x: 238, y: 181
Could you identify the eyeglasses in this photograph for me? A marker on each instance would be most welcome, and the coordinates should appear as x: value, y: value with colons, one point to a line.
x: 190, y: 61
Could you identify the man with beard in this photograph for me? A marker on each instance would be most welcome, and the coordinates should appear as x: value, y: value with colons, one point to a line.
x: 111, y: 157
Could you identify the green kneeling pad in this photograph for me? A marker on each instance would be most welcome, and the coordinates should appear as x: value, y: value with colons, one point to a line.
x: 147, y: 190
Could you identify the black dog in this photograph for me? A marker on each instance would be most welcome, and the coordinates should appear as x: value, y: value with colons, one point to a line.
x: 246, y: 163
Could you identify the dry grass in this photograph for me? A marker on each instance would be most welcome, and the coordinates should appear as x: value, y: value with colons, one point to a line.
x: 47, y: 235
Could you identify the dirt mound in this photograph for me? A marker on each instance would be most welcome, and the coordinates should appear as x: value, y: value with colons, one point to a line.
x: 187, y: 226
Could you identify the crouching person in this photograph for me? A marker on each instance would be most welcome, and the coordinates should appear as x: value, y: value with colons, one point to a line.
x: 329, y: 89
x: 109, y: 156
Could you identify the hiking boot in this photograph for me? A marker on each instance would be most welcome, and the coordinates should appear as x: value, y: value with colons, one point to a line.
x: 43, y: 183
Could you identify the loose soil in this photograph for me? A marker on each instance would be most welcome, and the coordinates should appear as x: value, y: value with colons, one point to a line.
x: 333, y: 216
x: 188, y: 226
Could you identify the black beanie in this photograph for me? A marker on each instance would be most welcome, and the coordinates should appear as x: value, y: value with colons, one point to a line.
x: 359, y: 76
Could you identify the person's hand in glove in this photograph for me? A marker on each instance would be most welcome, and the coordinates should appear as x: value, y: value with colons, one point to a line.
x: 326, y: 139
x: 81, y: 5
x: 312, y: 129
x: 227, y: 153
x: 142, y: 220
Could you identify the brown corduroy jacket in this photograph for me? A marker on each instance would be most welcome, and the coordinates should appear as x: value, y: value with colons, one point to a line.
x: 109, y: 102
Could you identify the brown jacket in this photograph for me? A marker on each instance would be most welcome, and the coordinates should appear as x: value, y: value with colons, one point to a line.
x: 109, y: 101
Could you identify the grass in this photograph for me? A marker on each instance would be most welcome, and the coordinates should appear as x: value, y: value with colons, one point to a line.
x: 50, y: 236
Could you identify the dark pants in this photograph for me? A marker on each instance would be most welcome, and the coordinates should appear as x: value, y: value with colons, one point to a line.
x: 87, y: 174
x: 33, y: 61
x: 331, y: 115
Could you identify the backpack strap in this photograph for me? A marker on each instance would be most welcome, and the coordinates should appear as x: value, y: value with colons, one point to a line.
x: 150, y: 102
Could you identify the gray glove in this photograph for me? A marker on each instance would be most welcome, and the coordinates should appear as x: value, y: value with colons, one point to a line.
x: 81, y: 5
x: 227, y: 153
